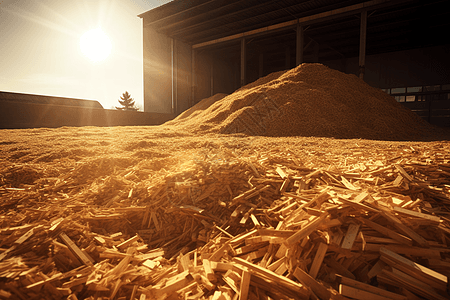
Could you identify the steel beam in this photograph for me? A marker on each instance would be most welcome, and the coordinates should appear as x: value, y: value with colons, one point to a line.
x: 328, y: 15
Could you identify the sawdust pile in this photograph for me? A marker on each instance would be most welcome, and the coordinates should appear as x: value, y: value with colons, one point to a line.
x: 201, y: 106
x: 309, y: 100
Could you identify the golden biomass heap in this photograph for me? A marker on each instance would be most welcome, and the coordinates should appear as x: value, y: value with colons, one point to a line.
x: 309, y: 100
x: 154, y: 213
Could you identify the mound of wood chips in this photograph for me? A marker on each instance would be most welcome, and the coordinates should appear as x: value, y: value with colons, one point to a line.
x: 264, y: 223
x: 309, y: 100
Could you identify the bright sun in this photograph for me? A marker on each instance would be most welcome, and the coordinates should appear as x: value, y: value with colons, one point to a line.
x: 95, y: 44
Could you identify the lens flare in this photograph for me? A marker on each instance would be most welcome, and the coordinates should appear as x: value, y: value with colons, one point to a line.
x: 95, y: 44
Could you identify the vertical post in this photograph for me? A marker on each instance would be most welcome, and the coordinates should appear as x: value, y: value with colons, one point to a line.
x: 261, y: 64
x: 237, y: 75
x: 174, y: 76
x: 193, y: 79
x: 243, y: 61
x: 172, y: 73
x: 299, y: 46
x: 362, y: 44
x: 316, y: 52
x: 288, y: 58
x: 212, y: 76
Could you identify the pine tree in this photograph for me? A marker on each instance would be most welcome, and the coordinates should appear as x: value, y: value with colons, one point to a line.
x: 127, y: 102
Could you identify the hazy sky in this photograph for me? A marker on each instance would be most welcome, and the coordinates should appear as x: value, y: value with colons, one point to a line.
x: 40, y: 49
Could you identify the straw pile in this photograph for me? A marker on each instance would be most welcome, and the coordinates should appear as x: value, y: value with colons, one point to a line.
x: 309, y: 100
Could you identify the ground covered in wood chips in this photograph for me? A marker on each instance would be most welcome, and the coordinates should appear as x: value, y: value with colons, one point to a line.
x: 267, y: 193
x: 156, y: 213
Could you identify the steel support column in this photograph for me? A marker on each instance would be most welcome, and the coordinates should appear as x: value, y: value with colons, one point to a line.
x: 243, y: 61
x: 316, y: 52
x: 288, y: 58
x: 212, y: 76
x: 299, y: 45
x: 193, y: 79
x: 174, y: 77
x: 362, y: 44
x: 261, y: 64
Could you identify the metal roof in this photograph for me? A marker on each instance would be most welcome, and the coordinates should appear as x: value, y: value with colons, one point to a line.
x: 392, y: 24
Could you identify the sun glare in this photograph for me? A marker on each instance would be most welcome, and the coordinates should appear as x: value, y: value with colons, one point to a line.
x: 95, y: 44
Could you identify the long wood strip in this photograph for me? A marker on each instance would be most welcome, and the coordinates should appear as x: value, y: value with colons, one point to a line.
x: 405, y: 229
x: 403, y: 172
x: 339, y: 268
x: 260, y: 271
x: 368, y: 288
x: 356, y: 293
x: 305, y: 231
x: 429, y: 276
x: 245, y: 285
x: 241, y: 238
x: 406, y: 250
x: 388, y: 232
x: 404, y: 280
x: 350, y: 237
x: 83, y: 257
x: 416, y: 214
x: 319, y: 289
x: 275, y: 232
x: 358, y: 205
x: 318, y: 259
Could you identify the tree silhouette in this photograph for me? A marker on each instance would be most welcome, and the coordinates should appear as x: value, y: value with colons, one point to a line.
x: 127, y: 102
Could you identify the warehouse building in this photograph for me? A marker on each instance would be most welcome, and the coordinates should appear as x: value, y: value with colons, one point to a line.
x: 195, y: 49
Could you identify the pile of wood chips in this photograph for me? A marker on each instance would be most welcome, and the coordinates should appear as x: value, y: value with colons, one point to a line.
x: 260, y: 226
x: 308, y: 100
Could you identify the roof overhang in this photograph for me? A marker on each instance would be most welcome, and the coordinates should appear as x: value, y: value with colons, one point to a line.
x: 392, y: 24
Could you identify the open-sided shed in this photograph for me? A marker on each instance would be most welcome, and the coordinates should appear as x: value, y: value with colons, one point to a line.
x: 193, y: 49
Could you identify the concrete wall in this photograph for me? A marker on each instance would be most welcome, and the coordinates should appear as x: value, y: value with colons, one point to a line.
x: 417, y: 67
x: 14, y: 114
x: 157, y: 72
